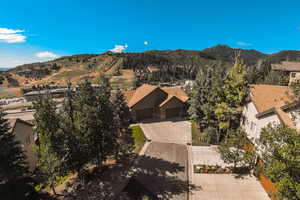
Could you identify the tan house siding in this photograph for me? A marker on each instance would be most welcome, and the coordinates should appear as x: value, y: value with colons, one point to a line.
x: 24, y: 134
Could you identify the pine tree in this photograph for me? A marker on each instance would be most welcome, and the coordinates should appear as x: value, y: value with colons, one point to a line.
x: 229, y: 110
x: 12, y: 165
x: 75, y: 151
x: 124, y: 143
x: 48, y: 149
x: 104, y: 139
x: 206, y: 94
x: 15, y: 181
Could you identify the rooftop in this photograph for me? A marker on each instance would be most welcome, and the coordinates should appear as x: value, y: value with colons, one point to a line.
x: 287, y: 66
x: 266, y: 97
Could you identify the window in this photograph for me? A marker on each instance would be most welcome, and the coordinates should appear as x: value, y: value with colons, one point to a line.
x: 293, y: 74
x: 27, y: 140
x: 252, y: 126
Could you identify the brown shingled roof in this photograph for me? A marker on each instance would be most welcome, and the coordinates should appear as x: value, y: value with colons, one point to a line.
x: 134, y: 96
x: 285, y: 118
x: 266, y: 97
x: 287, y: 66
x: 140, y: 93
x: 177, y: 92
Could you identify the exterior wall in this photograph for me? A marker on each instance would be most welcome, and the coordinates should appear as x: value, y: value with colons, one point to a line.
x: 150, y: 101
x: 295, y: 117
x: 249, y: 117
x: 253, y: 125
x: 294, y: 76
x: 24, y: 134
x: 173, y: 103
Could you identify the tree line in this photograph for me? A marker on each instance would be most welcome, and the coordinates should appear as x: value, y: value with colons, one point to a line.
x: 216, y: 105
x: 90, y: 127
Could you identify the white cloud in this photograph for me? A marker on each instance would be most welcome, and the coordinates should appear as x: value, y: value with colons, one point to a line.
x: 46, y: 54
x: 12, y: 36
x: 244, y: 44
x: 146, y: 43
x: 119, y: 48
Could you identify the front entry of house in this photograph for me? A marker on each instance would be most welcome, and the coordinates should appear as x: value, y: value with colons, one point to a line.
x: 172, y: 112
x: 144, y: 114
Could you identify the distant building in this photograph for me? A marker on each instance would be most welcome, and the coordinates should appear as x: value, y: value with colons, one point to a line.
x: 24, y: 133
x: 292, y: 67
x: 55, y: 93
x: 152, y: 102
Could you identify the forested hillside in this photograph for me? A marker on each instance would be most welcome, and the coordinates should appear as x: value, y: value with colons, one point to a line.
x: 150, y: 66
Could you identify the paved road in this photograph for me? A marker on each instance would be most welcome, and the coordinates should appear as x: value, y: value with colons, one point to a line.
x: 178, y: 132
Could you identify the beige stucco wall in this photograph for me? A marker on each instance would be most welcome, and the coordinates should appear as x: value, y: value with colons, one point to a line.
x: 294, y: 79
x: 24, y: 134
x: 294, y: 114
x: 249, y: 114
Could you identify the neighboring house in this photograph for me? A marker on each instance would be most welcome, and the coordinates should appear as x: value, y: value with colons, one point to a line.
x: 55, y: 93
x: 292, y: 67
x: 153, y: 102
x: 269, y: 104
x: 24, y: 133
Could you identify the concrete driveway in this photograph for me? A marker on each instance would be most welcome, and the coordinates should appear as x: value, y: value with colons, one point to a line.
x: 220, y: 186
x: 163, y: 170
x: 227, y: 187
x: 177, y: 132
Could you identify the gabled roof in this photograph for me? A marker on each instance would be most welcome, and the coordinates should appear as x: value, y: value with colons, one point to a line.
x: 140, y: 93
x: 266, y: 97
x: 13, y: 122
x: 134, y: 96
x: 170, y: 97
x: 177, y: 92
x: 287, y: 66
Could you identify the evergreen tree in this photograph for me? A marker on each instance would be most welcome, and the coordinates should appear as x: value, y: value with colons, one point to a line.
x: 47, y: 129
x: 206, y: 94
x: 124, y: 143
x: 105, y: 139
x: 235, y: 91
x: 15, y: 182
x: 74, y: 151
x: 12, y: 165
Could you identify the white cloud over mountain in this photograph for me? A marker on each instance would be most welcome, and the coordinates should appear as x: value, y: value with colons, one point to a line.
x: 12, y: 35
x: 119, y: 48
x: 46, y: 54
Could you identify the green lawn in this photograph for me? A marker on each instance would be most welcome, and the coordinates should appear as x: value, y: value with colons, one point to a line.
x: 139, y: 138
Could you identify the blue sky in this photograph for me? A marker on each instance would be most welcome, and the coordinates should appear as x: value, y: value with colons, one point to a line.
x: 33, y: 31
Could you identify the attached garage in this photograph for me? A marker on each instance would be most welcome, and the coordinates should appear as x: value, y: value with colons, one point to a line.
x: 172, y: 112
x: 144, y: 114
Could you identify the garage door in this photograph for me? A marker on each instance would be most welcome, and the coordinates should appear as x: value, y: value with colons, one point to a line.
x: 172, y: 112
x: 144, y: 114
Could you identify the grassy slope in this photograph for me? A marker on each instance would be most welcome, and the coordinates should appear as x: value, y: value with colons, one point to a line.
x: 139, y: 137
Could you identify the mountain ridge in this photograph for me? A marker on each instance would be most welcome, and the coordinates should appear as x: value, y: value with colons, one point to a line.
x: 135, y: 64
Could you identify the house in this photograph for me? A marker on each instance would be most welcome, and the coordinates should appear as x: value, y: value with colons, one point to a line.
x: 153, y: 102
x: 24, y: 133
x: 293, y: 68
x: 269, y: 104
